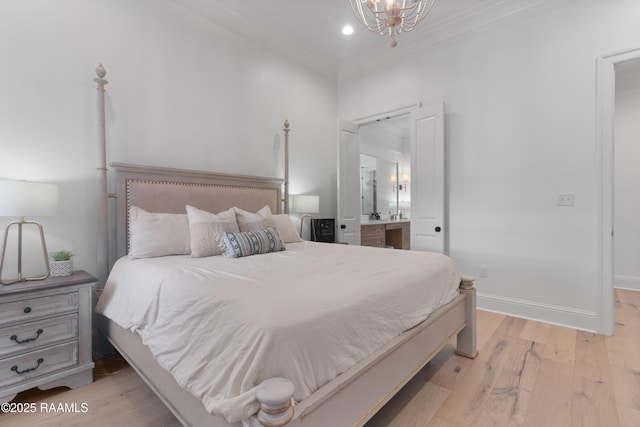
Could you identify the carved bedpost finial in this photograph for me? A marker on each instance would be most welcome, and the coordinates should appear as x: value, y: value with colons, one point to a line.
x: 286, y: 126
x: 467, y: 282
x: 101, y: 73
x: 275, y: 396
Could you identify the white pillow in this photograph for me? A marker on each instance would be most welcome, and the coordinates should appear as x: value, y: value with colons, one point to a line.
x: 157, y: 234
x: 248, y: 221
x: 206, y: 229
x: 285, y: 227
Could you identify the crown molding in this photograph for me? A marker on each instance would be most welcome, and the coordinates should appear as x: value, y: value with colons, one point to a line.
x: 269, y: 38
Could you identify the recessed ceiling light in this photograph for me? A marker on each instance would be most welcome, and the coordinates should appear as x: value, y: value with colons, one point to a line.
x: 347, y: 30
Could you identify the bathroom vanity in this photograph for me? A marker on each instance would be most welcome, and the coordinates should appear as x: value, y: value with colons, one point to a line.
x: 383, y: 233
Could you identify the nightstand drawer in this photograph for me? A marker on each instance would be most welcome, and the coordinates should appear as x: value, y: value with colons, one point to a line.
x: 37, y: 363
x: 33, y: 308
x: 27, y: 336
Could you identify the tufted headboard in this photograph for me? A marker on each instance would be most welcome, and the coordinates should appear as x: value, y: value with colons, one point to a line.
x: 157, y: 189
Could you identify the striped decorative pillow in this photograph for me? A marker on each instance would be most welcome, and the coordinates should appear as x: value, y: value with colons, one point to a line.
x: 253, y: 242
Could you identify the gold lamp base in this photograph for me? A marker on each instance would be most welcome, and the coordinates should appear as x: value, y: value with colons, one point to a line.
x: 21, y: 278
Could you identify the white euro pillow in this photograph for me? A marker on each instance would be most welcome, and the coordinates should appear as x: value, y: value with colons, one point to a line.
x: 157, y: 234
x: 285, y: 227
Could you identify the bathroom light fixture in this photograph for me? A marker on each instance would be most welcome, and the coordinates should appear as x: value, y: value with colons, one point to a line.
x: 405, y: 181
x: 22, y: 198
x: 391, y: 17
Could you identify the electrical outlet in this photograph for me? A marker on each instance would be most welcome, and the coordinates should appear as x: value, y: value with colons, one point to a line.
x: 565, y: 199
x: 483, y: 272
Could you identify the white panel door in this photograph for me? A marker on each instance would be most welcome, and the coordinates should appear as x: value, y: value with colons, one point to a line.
x: 349, y: 202
x: 427, y: 179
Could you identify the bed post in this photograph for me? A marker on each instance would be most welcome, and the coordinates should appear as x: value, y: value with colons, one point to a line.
x: 286, y: 166
x: 466, y: 345
x: 276, y: 409
x: 103, y: 222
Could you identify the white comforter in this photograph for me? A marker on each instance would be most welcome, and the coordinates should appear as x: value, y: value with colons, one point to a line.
x: 221, y: 325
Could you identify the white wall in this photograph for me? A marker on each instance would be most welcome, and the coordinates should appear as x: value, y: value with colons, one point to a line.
x: 519, y: 99
x: 184, y: 92
x: 627, y: 178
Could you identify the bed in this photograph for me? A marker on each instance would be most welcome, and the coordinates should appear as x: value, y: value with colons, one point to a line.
x: 149, y: 299
x: 350, y: 398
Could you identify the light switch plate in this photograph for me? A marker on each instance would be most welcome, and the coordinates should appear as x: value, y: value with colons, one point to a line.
x: 565, y: 199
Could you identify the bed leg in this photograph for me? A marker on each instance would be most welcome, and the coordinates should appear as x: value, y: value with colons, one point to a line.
x: 467, y: 337
x: 275, y: 396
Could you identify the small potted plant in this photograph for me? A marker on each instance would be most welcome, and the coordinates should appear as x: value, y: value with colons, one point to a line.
x: 61, y: 263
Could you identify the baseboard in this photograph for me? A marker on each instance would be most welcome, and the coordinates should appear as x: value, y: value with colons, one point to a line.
x: 548, y: 313
x: 626, y: 282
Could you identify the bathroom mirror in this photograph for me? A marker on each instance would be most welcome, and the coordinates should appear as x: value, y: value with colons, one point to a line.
x: 385, y: 164
x: 377, y: 189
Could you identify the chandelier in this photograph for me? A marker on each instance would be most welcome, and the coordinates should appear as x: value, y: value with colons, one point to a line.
x: 391, y: 17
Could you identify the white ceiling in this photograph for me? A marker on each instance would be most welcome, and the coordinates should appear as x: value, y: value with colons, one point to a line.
x: 318, y: 24
x: 313, y: 28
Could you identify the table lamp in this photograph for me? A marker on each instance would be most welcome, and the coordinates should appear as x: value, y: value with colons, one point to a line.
x: 306, y: 205
x: 21, y: 199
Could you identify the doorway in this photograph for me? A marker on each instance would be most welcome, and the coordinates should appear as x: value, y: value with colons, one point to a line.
x: 372, y: 152
x: 605, y: 138
x: 426, y: 182
x: 626, y: 175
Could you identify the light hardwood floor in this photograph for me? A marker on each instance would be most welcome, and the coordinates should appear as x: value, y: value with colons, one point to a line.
x: 527, y: 374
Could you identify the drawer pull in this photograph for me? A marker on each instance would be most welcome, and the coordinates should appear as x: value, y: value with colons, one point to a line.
x: 27, y: 310
x: 18, y: 341
x: 19, y: 372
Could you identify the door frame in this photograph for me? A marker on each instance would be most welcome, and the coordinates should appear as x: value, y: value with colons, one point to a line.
x: 415, y: 113
x: 368, y: 119
x: 605, y: 139
x: 343, y: 180
x: 400, y: 111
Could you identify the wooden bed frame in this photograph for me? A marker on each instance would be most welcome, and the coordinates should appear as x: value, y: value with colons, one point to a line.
x: 353, y: 397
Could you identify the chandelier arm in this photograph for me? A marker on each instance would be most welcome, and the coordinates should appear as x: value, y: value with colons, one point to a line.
x: 356, y: 6
x: 412, y: 19
x: 420, y: 15
x: 378, y: 27
x: 384, y: 18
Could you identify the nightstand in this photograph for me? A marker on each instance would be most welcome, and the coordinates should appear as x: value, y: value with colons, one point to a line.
x: 45, y: 334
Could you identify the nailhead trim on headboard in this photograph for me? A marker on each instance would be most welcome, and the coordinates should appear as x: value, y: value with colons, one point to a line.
x: 272, y: 197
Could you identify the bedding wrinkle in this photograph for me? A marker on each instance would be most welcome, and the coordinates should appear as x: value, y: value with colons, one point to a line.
x: 221, y: 326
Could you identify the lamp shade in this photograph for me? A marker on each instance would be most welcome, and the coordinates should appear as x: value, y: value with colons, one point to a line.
x: 305, y: 204
x: 22, y: 198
